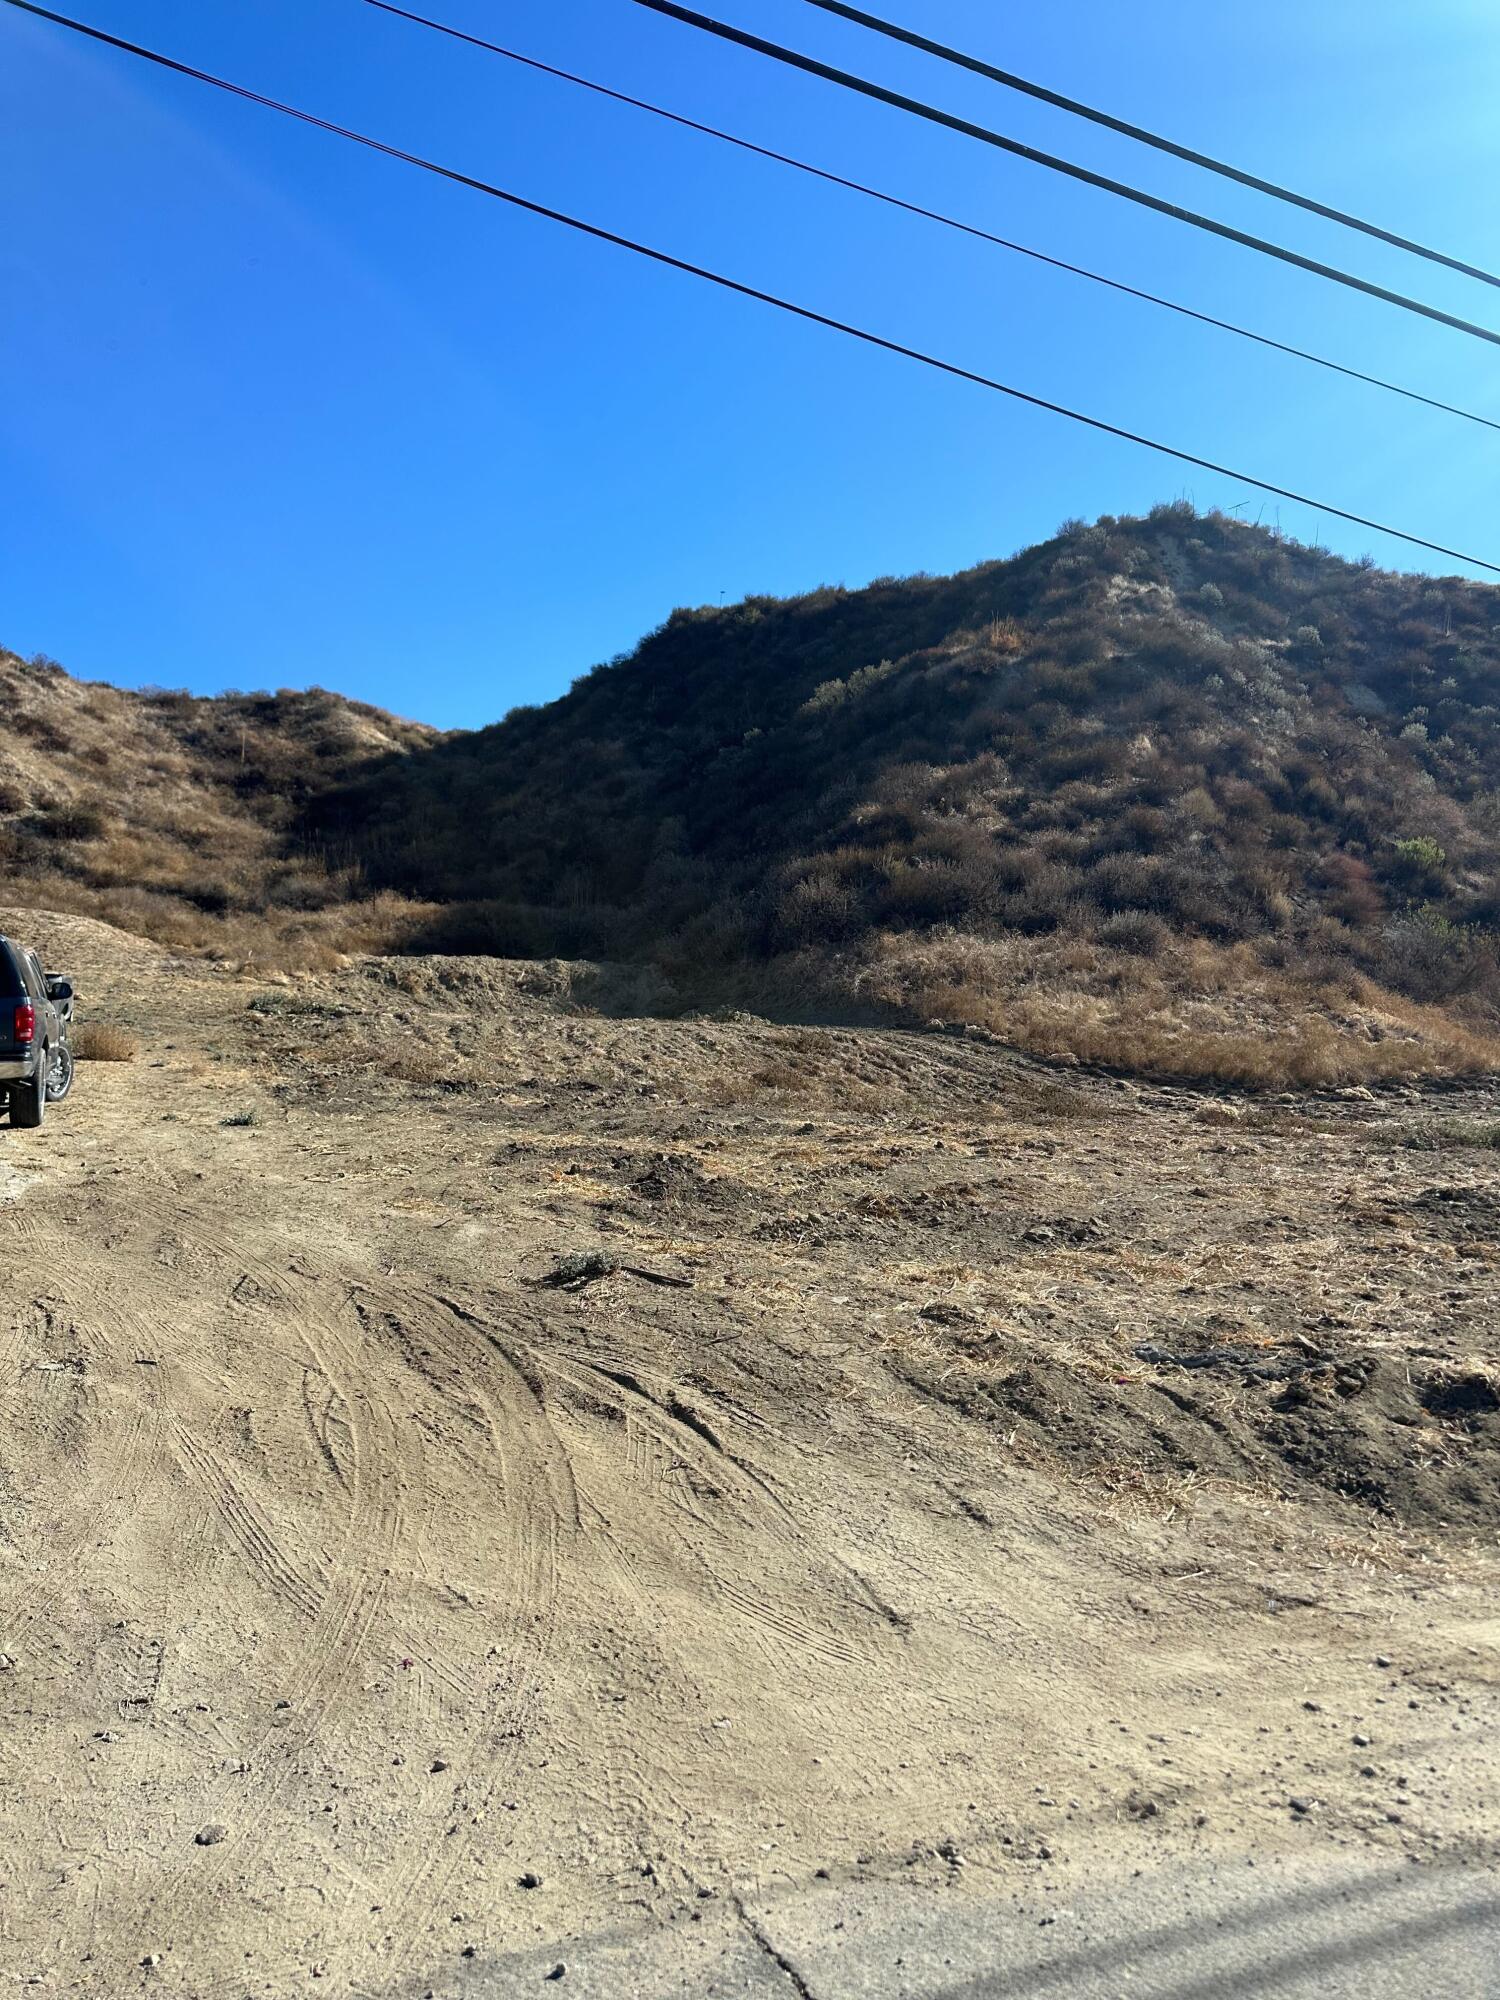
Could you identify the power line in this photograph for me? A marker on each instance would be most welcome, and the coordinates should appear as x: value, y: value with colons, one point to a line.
x: 849, y: 81
x: 601, y: 235
x: 928, y: 214
x: 1163, y: 145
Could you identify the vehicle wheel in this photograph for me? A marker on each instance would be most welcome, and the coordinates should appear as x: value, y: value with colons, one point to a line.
x: 60, y: 1076
x: 28, y: 1101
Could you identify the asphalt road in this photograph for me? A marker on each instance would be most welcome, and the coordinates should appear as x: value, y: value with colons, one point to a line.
x: 1332, y: 1929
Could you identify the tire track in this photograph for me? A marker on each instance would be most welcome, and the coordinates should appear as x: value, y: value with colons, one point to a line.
x: 327, y: 1417
x: 737, y: 1497
x: 247, y: 1526
x: 459, y: 1355
x: 111, y: 1483
x: 334, y: 1637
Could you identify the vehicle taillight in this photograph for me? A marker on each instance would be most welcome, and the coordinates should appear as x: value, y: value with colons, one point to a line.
x: 25, y: 1029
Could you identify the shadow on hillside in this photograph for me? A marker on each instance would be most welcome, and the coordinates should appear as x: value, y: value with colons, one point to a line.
x: 1125, y: 752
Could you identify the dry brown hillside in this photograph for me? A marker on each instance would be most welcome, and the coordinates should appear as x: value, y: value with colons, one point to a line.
x: 178, y: 818
x: 1171, y: 794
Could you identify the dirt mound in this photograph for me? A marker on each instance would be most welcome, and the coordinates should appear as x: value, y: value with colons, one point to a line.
x: 82, y: 945
x: 1420, y: 1445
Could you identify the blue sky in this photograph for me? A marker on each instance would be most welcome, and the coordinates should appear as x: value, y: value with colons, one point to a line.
x: 277, y: 412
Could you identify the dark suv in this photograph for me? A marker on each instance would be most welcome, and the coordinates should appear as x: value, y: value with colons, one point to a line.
x: 36, y: 1014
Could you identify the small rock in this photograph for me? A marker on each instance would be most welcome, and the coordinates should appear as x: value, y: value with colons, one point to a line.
x: 212, y: 1834
x: 6, y: 1663
x: 438, y: 1764
x: 529, y: 1880
x: 1313, y: 1707
x: 559, y: 1971
x: 1360, y: 1742
x: 106, y: 1735
x: 1300, y: 1805
x: 1382, y: 1659
x: 151, y: 1958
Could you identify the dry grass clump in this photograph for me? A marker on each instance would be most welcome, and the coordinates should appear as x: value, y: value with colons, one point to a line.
x: 421, y: 1064
x: 802, y: 1081
x: 1437, y: 1135
x: 95, y: 1041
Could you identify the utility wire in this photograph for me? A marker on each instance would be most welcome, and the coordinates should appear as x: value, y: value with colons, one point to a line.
x: 600, y: 235
x: 929, y: 214
x: 1162, y: 145
x: 931, y: 112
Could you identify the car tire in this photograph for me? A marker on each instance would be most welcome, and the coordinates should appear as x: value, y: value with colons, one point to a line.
x: 28, y: 1101
x: 60, y: 1075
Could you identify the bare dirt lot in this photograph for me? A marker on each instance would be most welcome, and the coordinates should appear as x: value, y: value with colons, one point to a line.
x: 476, y: 1472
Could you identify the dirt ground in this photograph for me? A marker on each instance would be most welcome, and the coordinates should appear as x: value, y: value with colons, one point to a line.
x: 476, y: 1472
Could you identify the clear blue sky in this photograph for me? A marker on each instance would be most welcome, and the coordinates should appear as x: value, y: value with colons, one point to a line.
x: 276, y: 412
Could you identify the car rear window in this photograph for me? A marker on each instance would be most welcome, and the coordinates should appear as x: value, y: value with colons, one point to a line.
x: 12, y: 985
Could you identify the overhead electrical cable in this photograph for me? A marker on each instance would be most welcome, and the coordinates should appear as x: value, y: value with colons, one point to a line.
x: 929, y: 214
x: 936, y: 116
x: 736, y: 285
x: 1147, y: 138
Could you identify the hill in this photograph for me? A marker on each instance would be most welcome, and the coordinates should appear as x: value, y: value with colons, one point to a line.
x: 179, y: 818
x: 1171, y: 793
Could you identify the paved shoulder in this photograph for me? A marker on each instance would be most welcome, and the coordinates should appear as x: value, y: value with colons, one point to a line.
x: 1360, y: 1929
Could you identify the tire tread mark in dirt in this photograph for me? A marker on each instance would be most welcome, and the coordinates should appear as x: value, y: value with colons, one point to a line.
x: 334, y: 1643
x: 688, y: 1440
x: 247, y: 1526
x: 654, y: 1437
x: 321, y: 1421
x: 111, y: 1492
x: 543, y: 1503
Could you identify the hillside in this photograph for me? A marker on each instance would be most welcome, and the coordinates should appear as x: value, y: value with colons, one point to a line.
x: 1173, y: 773
x: 179, y: 818
x: 1171, y: 793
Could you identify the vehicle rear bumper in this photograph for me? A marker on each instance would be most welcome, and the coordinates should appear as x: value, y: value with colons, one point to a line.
x: 17, y: 1069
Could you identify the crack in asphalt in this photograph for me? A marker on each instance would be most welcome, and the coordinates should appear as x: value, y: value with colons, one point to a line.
x: 777, y: 1957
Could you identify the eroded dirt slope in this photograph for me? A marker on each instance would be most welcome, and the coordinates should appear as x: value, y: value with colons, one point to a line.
x: 474, y: 1472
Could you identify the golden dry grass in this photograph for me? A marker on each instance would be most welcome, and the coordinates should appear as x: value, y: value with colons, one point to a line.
x: 94, y: 1041
x: 1200, y: 1013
